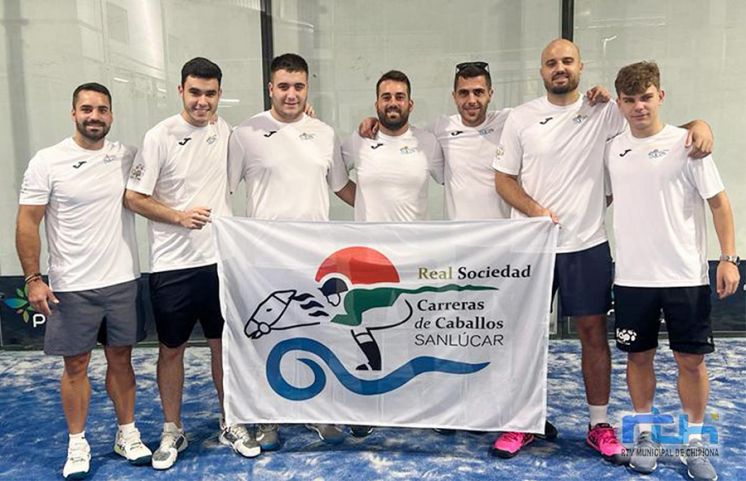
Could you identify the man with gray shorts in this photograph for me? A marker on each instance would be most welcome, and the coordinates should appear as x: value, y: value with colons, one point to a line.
x: 76, y: 186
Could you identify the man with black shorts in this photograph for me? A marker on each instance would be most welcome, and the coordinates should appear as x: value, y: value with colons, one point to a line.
x: 289, y: 162
x: 179, y: 182
x: 554, y: 145
x: 663, y: 268
x: 76, y: 187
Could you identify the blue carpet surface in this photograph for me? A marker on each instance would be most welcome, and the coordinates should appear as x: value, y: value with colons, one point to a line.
x: 33, y: 435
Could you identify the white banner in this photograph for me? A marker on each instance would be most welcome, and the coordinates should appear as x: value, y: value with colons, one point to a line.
x: 440, y: 324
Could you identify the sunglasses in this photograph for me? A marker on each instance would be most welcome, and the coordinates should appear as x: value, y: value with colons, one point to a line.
x: 480, y: 65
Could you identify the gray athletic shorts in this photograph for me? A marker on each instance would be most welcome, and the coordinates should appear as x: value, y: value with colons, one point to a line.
x: 109, y: 315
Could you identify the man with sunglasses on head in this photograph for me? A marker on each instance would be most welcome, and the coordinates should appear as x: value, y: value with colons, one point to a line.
x: 550, y: 163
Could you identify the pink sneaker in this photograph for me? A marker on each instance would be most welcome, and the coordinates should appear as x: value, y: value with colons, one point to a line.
x: 507, y: 445
x: 603, y: 439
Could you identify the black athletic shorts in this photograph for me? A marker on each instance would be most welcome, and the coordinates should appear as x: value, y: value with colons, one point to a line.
x: 584, y: 281
x: 180, y: 298
x: 686, y: 311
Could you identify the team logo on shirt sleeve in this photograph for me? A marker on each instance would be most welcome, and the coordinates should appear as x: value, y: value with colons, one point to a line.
x: 657, y: 153
x: 499, y: 152
x: 137, y: 171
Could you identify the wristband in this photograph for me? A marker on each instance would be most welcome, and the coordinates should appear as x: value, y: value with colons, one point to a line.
x: 33, y: 277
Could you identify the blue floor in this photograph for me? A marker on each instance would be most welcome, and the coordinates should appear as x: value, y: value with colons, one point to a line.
x: 33, y: 435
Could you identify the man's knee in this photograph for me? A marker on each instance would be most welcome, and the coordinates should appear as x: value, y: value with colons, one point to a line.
x: 171, y: 354
x: 690, y: 363
x: 119, y: 357
x: 77, y: 366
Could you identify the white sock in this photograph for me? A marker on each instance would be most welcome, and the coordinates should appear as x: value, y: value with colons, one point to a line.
x: 644, y: 427
x: 599, y: 414
x: 171, y: 427
x: 127, y: 428
x: 695, y: 431
x: 80, y: 435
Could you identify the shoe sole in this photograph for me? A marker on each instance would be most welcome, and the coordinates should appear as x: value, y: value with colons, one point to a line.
x: 691, y: 476
x: 78, y: 475
x: 499, y: 453
x: 339, y: 440
x: 616, y: 459
x: 162, y: 467
x: 257, y: 450
x: 360, y: 434
x: 637, y: 469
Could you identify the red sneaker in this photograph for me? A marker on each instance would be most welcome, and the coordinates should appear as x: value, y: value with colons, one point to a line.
x: 602, y: 438
x: 507, y: 445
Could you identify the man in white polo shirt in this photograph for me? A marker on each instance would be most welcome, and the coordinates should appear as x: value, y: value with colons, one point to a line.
x: 392, y: 168
x: 663, y: 267
x: 550, y: 163
x: 289, y: 162
x: 76, y: 187
x: 179, y: 182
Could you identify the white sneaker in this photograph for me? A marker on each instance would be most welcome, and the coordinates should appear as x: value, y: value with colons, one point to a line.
x: 132, y: 448
x: 78, y: 459
x: 173, y: 441
x: 239, y: 438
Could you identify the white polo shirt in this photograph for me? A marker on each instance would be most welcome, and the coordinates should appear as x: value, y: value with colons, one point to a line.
x: 183, y: 166
x: 659, y: 211
x: 469, y: 176
x: 90, y: 235
x: 557, y: 152
x: 288, y: 167
x: 392, y: 174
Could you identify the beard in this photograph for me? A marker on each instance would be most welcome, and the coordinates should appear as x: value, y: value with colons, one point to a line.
x: 92, y: 136
x: 393, y: 124
x: 572, y: 84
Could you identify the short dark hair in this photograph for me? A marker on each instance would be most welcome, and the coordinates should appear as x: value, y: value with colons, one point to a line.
x: 202, y: 68
x: 291, y: 62
x: 472, y: 70
x: 94, y: 86
x: 396, y: 76
x: 635, y: 78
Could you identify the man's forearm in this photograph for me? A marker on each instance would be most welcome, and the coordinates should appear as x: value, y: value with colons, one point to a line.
x: 722, y: 218
x: 28, y: 246
x: 510, y: 190
x: 347, y: 193
x: 147, y: 206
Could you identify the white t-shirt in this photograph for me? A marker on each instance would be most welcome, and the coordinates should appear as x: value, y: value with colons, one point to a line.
x: 469, y: 176
x: 183, y: 166
x: 90, y: 235
x: 392, y: 174
x: 659, y: 212
x: 558, y: 152
x: 287, y: 167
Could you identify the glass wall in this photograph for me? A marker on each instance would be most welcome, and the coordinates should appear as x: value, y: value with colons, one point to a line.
x: 136, y: 48
x: 349, y: 44
x: 699, y: 47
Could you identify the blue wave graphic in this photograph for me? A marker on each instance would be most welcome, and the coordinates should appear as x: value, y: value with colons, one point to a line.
x: 394, y: 380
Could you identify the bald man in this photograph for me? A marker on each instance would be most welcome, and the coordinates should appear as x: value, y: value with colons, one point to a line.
x: 555, y: 145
